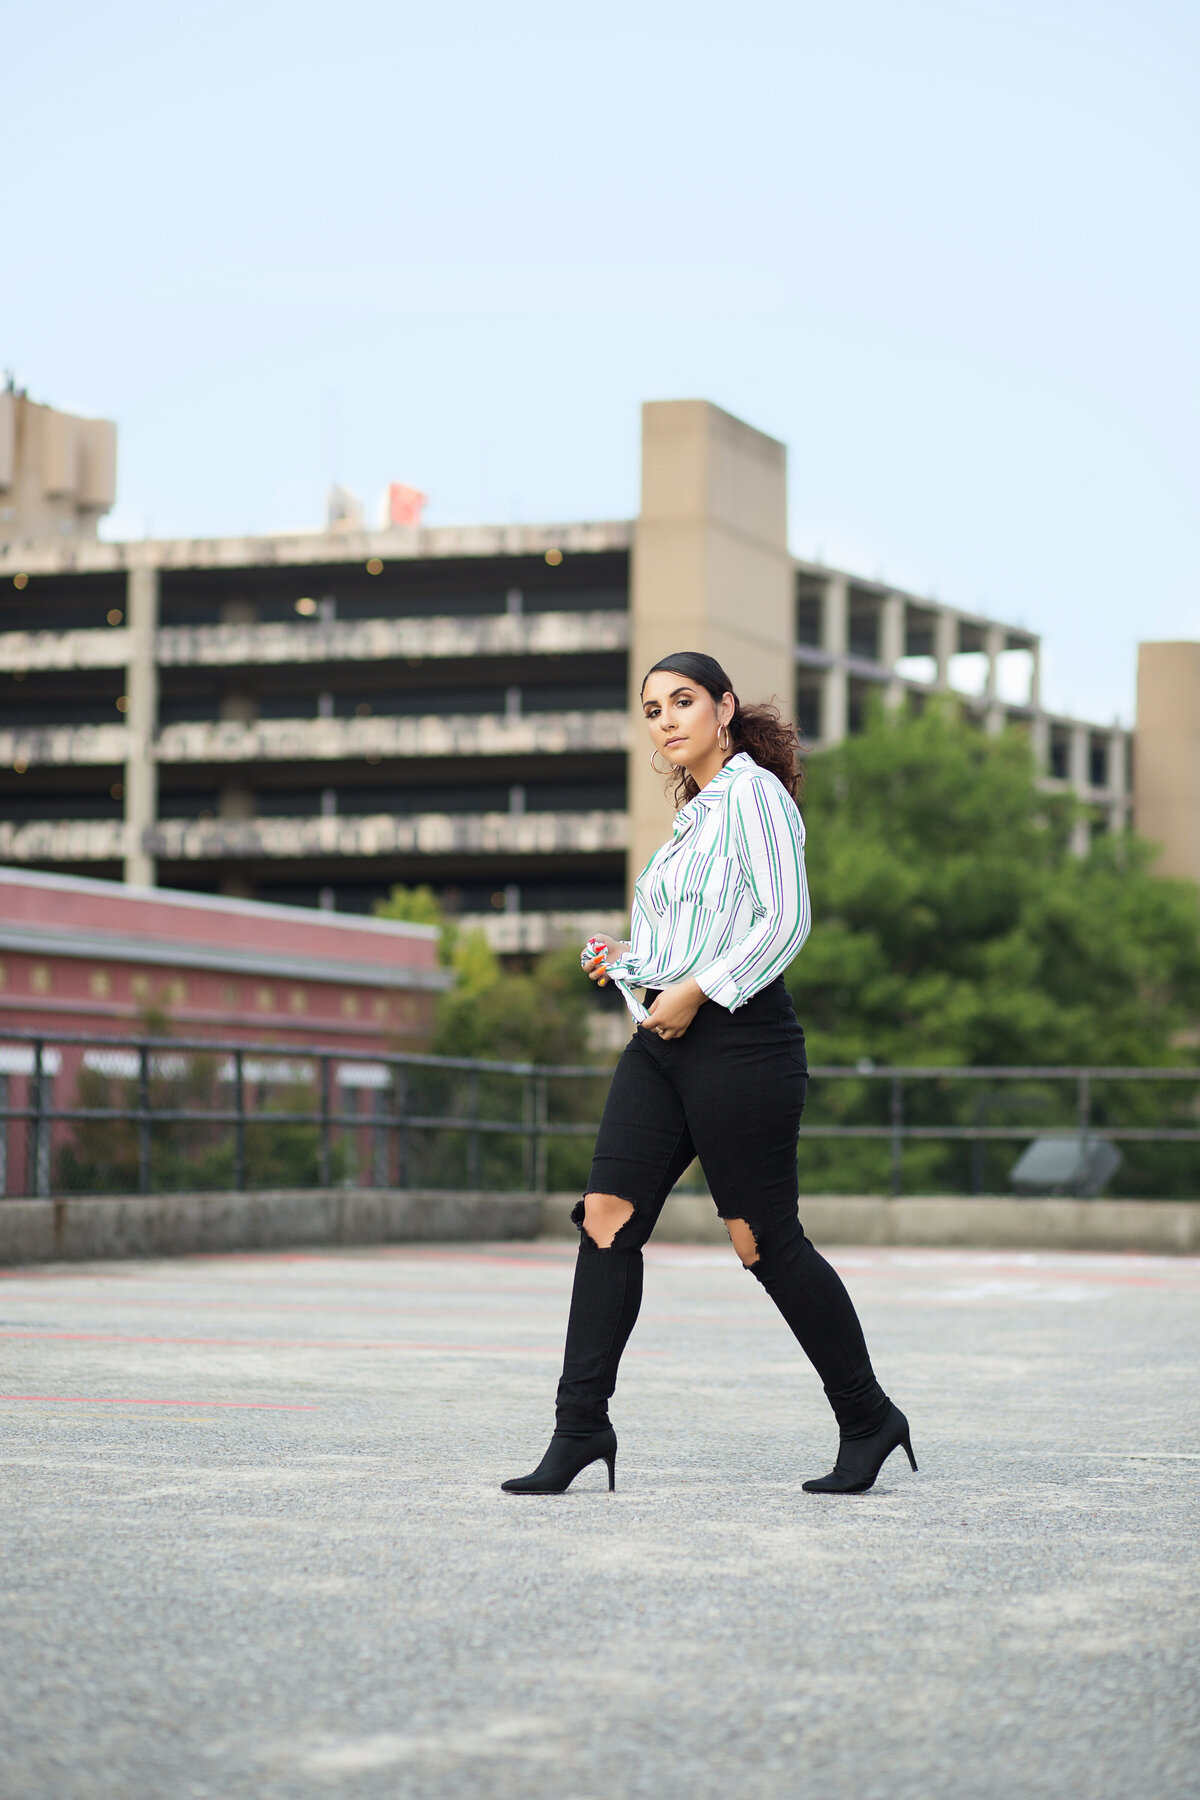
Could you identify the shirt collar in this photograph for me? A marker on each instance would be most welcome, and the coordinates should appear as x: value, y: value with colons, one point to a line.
x: 711, y: 794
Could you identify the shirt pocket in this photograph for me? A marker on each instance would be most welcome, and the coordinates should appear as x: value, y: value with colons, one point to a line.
x: 702, y: 879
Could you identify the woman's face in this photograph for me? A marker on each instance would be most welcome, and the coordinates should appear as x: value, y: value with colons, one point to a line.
x: 683, y: 718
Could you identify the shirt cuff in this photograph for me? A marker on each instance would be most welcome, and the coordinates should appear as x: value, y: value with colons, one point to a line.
x: 719, y: 985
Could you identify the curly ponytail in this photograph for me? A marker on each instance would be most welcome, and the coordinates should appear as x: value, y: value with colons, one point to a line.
x: 759, y: 730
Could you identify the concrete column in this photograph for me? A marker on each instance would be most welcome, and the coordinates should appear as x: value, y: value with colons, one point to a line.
x: 141, y: 721
x: 945, y: 644
x: 1118, y: 780
x: 710, y: 572
x: 1078, y: 775
x: 235, y: 799
x: 1039, y: 729
x: 993, y: 649
x: 891, y: 646
x: 238, y: 708
x: 835, y: 639
x: 1077, y: 760
x: 1166, y: 768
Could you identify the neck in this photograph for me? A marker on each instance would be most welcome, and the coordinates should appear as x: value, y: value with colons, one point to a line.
x: 703, y: 772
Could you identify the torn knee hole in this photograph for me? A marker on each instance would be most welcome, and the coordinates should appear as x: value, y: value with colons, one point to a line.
x: 603, y: 1217
x: 743, y: 1241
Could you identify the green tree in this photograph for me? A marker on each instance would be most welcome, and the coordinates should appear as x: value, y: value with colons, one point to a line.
x: 533, y: 1015
x: 193, y: 1151
x: 537, y: 1015
x: 954, y: 925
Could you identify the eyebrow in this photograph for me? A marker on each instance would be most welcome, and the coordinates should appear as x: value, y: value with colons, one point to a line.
x: 674, y: 693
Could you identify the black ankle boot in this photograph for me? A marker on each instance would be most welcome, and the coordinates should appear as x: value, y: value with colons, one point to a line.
x: 859, y: 1460
x: 563, y: 1460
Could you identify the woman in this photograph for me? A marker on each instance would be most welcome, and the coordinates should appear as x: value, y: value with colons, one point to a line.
x: 716, y: 1070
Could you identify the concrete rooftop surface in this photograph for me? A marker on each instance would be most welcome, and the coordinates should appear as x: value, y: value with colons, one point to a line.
x: 255, y: 1545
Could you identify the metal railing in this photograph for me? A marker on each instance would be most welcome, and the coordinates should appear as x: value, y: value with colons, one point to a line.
x: 151, y: 1072
x: 218, y: 1095
x: 898, y: 1131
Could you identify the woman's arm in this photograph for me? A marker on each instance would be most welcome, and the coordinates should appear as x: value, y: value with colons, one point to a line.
x: 768, y: 841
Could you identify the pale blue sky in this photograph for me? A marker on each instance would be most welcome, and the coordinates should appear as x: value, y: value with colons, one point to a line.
x: 948, y: 253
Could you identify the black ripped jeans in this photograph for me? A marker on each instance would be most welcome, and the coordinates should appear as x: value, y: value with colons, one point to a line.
x: 730, y: 1091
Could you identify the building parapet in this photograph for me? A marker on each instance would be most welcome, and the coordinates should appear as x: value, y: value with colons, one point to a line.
x: 533, y: 933
x: 376, y: 834
x: 922, y: 609
x: 387, y: 834
x: 24, y: 651
x: 322, y: 740
x: 64, y: 840
x: 63, y: 746
x: 438, y: 735
x: 306, y: 548
x: 377, y: 640
x: 333, y: 641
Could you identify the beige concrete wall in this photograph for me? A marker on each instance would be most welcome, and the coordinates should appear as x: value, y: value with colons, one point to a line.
x: 190, y: 1224
x: 710, y: 572
x: 1166, y: 770
x: 997, y: 1222
x: 65, y: 1230
x: 57, y: 472
x: 141, y: 718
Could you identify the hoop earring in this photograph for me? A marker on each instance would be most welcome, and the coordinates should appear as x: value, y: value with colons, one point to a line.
x: 723, y: 747
x: 663, y: 772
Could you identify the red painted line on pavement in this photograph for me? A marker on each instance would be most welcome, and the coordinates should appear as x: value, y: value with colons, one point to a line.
x: 125, y: 1400
x: 120, y: 1337
x: 259, y: 1303
x: 1038, y: 1273
x: 21, y: 1273
x: 551, y: 1257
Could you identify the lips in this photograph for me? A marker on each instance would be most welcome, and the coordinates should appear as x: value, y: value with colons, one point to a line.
x: 673, y: 743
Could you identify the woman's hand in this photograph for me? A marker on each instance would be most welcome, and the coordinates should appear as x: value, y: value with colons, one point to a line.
x: 612, y: 951
x: 675, y: 1009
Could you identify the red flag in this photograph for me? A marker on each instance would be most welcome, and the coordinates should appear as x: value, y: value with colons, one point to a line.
x: 404, y: 504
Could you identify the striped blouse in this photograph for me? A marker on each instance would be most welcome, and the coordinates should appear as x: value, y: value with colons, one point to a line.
x: 726, y: 899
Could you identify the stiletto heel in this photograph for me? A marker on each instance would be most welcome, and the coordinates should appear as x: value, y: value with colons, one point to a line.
x: 859, y: 1460
x: 565, y: 1457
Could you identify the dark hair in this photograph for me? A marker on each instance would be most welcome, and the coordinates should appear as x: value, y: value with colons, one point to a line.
x: 761, y: 731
